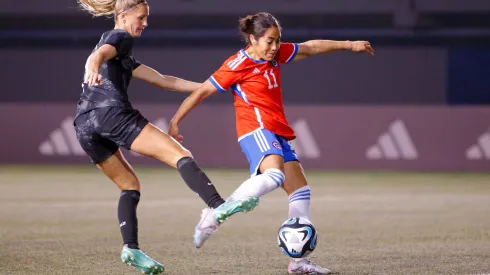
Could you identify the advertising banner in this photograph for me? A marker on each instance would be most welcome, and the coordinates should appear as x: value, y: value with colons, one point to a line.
x: 328, y: 137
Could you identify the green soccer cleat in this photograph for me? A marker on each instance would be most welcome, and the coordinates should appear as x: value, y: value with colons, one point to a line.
x: 141, y: 261
x: 212, y: 218
x: 229, y: 208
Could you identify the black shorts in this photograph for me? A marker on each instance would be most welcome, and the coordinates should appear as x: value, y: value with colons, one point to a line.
x: 101, y: 131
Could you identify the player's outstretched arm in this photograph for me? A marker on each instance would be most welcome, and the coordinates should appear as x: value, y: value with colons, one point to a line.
x: 205, y: 90
x: 94, y: 61
x: 167, y: 82
x: 316, y: 47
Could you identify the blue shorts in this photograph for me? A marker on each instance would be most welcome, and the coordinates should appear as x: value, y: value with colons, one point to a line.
x: 258, y: 144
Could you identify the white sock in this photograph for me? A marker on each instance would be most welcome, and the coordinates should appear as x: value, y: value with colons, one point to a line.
x: 259, y: 185
x: 299, y: 203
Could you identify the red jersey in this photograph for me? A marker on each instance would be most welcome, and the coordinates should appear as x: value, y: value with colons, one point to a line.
x: 256, y: 86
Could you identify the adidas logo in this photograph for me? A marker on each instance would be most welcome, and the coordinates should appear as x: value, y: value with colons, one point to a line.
x: 305, y: 144
x: 62, y: 141
x: 256, y: 71
x: 480, y: 150
x: 393, y: 144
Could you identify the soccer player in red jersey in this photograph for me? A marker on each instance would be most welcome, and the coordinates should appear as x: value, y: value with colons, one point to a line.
x: 254, y: 76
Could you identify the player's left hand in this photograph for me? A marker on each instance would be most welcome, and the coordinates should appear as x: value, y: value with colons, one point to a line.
x: 362, y: 47
x: 92, y: 78
x: 173, y: 131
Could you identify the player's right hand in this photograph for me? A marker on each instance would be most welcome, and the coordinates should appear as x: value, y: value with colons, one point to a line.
x: 173, y: 131
x: 362, y: 47
x: 92, y: 78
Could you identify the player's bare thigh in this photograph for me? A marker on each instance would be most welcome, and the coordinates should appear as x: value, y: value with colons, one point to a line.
x: 153, y: 142
x: 117, y: 168
x: 295, y: 177
x: 272, y: 161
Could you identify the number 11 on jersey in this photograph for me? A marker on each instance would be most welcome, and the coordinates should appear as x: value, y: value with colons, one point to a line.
x: 266, y: 75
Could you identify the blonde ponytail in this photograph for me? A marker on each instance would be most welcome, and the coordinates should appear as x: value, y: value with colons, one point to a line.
x: 99, y: 7
x: 109, y: 7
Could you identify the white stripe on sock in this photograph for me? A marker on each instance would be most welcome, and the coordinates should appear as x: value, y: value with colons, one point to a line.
x: 299, y: 203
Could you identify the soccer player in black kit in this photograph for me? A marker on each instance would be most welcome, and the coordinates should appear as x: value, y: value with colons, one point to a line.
x: 105, y: 121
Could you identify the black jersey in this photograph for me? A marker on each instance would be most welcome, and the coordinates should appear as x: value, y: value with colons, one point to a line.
x: 116, y: 75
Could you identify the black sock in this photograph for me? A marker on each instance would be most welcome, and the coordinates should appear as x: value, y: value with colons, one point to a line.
x: 199, y: 182
x: 128, y: 222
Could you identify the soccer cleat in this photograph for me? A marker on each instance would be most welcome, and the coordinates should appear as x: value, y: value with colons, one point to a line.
x: 212, y: 218
x: 229, y: 208
x: 141, y: 261
x: 305, y: 266
x: 205, y: 228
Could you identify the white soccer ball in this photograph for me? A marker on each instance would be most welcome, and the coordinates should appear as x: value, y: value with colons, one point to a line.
x: 297, y: 237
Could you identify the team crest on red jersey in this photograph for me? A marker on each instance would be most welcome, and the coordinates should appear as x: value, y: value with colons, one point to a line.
x: 274, y: 62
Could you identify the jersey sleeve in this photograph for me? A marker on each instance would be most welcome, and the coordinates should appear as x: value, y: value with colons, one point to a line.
x: 224, y: 78
x: 121, y: 40
x: 287, y: 52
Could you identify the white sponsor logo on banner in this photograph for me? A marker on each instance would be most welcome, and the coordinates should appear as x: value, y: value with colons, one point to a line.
x: 62, y: 141
x: 393, y: 144
x: 480, y: 150
x: 305, y: 144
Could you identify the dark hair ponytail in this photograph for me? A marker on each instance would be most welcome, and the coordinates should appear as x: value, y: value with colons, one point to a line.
x: 245, y: 25
x: 256, y: 25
